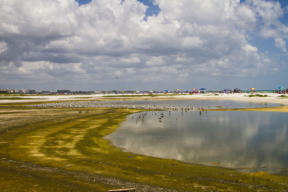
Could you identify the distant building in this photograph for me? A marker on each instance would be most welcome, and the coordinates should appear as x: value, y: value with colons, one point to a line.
x: 63, y: 91
x: 7, y: 91
x: 31, y: 91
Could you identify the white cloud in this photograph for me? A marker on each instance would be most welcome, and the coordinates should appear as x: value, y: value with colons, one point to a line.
x: 130, y: 60
x: 155, y: 61
x: 107, y: 38
x: 250, y: 48
x: 3, y: 47
x: 39, y: 66
x: 280, y: 43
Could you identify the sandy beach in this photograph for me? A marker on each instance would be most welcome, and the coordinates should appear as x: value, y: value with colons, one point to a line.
x: 246, y: 97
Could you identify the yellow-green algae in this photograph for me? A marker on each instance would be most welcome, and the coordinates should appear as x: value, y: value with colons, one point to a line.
x: 265, y: 109
x: 64, y: 150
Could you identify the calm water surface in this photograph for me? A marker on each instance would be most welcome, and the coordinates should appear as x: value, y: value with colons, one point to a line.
x: 194, y: 103
x: 248, y: 141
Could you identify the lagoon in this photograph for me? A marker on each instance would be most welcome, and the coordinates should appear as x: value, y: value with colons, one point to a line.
x: 249, y: 141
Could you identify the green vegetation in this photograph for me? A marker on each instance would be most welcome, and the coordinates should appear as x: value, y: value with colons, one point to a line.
x: 258, y: 95
x: 281, y: 108
x: 65, y: 150
x: 283, y: 96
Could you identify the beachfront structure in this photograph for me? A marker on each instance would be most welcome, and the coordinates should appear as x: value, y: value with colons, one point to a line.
x: 7, y: 91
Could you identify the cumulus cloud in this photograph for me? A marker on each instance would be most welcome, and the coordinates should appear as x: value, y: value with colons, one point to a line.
x: 281, y: 43
x: 269, y: 14
x: 113, y: 39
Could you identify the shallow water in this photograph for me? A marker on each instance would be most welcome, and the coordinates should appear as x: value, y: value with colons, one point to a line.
x: 245, y: 140
x: 193, y: 103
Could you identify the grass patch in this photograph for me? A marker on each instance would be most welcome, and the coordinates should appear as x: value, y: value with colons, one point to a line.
x: 283, y: 96
x: 264, y: 109
x: 258, y: 95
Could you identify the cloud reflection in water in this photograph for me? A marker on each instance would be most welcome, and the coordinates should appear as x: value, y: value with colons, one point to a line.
x: 255, y: 141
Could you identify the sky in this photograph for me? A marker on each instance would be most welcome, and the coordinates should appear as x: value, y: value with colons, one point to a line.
x: 143, y: 44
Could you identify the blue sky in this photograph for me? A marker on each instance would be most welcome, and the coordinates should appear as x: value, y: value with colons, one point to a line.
x: 153, y: 9
x: 81, y: 2
x: 108, y: 44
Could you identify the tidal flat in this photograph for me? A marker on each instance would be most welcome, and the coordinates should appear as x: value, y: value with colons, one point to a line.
x: 64, y: 149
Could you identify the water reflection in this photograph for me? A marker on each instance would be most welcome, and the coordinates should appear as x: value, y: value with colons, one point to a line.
x: 251, y: 141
